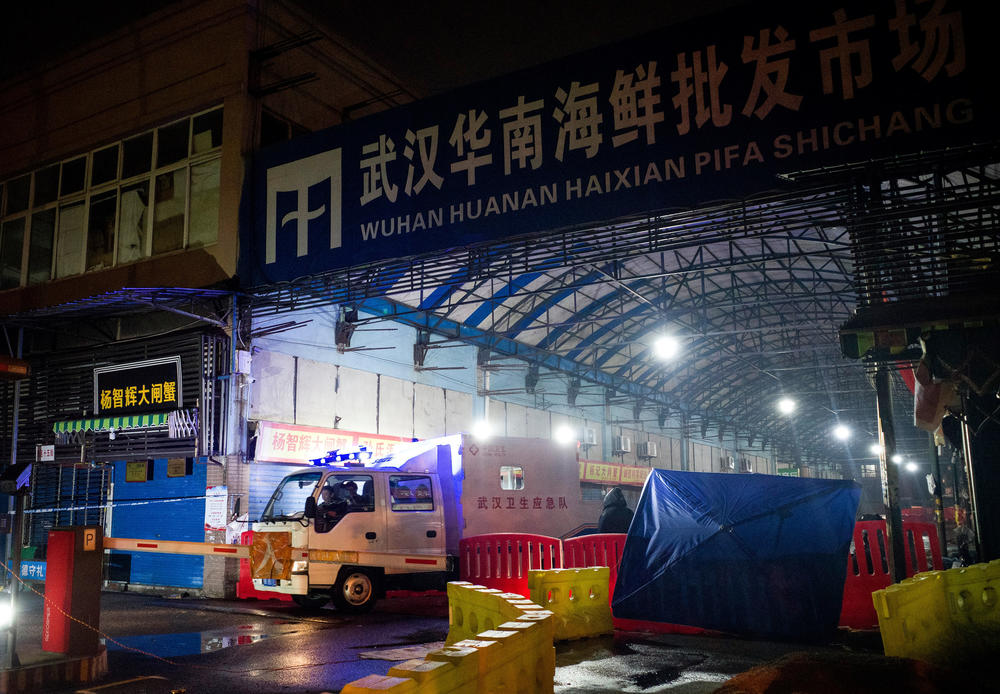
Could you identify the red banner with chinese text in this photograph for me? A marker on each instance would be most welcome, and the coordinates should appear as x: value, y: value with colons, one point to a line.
x: 295, y: 443
x: 599, y: 472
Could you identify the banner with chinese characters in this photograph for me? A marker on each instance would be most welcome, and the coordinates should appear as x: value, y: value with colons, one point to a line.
x: 715, y: 109
x: 153, y: 385
x: 293, y: 443
x: 598, y: 472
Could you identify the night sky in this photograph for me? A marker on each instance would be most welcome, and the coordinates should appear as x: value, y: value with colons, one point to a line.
x: 434, y: 46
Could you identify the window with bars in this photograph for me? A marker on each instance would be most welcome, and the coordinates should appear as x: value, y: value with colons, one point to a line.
x: 146, y: 195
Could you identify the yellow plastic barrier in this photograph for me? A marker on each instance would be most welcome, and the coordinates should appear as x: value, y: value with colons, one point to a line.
x: 577, y: 597
x: 515, y: 655
x: 473, y: 609
x: 943, y: 617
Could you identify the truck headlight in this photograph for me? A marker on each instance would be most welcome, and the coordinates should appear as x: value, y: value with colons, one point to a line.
x: 300, y: 567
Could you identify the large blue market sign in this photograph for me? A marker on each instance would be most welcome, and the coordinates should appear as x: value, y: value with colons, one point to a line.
x: 704, y: 112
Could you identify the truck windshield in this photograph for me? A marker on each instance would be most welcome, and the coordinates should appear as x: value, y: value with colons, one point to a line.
x: 289, y: 500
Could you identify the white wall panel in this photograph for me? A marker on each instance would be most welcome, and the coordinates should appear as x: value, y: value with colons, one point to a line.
x: 459, y: 412
x: 357, y: 400
x: 517, y: 420
x: 538, y: 425
x: 428, y: 411
x: 702, y: 458
x: 496, y: 415
x: 316, y: 397
x: 271, y: 394
x: 395, y: 407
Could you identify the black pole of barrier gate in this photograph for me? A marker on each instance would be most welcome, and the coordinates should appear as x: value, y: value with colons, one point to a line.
x: 14, y: 543
x: 14, y: 563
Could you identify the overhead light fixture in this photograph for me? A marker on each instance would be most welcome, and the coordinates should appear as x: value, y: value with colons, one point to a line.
x: 786, y: 406
x: 841, y: 432
x: 482, y: 429
x: 666, y: 347
x: 897, y: 458
x: 912, y: 467
x: 564, y: 435
x: 875, y: 449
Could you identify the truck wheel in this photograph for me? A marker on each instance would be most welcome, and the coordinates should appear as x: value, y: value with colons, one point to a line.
x: 355, y: 591
x: 312, y: 601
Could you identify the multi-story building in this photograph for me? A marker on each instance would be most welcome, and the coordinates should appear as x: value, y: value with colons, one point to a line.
x: 121, y: 170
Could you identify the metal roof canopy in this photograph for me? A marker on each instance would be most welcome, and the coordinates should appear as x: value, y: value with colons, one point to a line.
x: 756, y: 289
x: 199, y: 304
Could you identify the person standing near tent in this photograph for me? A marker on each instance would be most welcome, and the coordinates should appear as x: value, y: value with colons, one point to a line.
x: 616, y: 516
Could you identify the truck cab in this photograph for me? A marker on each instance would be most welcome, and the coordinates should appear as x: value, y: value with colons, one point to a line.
x: 360, y: 531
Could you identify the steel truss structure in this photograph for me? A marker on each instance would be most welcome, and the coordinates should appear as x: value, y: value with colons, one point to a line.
x: 755, y: 289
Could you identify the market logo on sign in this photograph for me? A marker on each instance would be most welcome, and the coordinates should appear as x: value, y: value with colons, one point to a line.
x: 304, y: 196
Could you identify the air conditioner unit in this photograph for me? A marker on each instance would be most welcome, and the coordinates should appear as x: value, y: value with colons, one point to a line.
x: 746, y: 465
x: 646, y: 449
x: 623, y: 444
x: 589, y: 437
x: 729, y: 463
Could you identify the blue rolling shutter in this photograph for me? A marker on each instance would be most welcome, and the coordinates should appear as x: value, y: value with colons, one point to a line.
x: 160, y: 509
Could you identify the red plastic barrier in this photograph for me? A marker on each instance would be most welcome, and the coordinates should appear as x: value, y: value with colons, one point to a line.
x: 605, y: 549
x: 868, y: 566
x: 502, y: 560
x: 244, y: 587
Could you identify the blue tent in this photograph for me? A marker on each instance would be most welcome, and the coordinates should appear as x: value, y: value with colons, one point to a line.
x: 754, y: 554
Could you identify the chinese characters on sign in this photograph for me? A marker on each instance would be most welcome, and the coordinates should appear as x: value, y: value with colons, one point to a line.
x: 138, y: 395
x: 521, y: 503
x: 138, y: 388
x: 292, y: 443
x: 33, y: 570
x: 612, y: 473
x: 775, y: 93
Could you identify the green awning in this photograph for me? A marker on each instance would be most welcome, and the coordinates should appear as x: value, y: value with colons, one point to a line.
x: 135, y: 421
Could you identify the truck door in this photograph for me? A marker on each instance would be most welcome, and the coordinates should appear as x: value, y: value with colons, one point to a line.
x: 416, y: 518
x: 349, y: 518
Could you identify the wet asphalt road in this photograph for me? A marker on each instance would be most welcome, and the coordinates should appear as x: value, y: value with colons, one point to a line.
x: 234, y: 647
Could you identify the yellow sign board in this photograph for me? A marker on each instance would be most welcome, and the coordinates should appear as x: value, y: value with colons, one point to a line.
x: 137, y: 471
x: 177, y: 467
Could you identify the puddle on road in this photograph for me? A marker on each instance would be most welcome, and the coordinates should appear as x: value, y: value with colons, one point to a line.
x: 191, y: 643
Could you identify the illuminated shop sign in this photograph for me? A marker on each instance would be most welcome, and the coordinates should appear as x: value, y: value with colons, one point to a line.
x: 140, y: 387
x: 715, y: 109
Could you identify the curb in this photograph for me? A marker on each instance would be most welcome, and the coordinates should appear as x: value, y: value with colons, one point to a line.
x: 38, y: 677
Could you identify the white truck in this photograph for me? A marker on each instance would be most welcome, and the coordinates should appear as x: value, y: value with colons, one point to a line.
x: 400, y: 526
